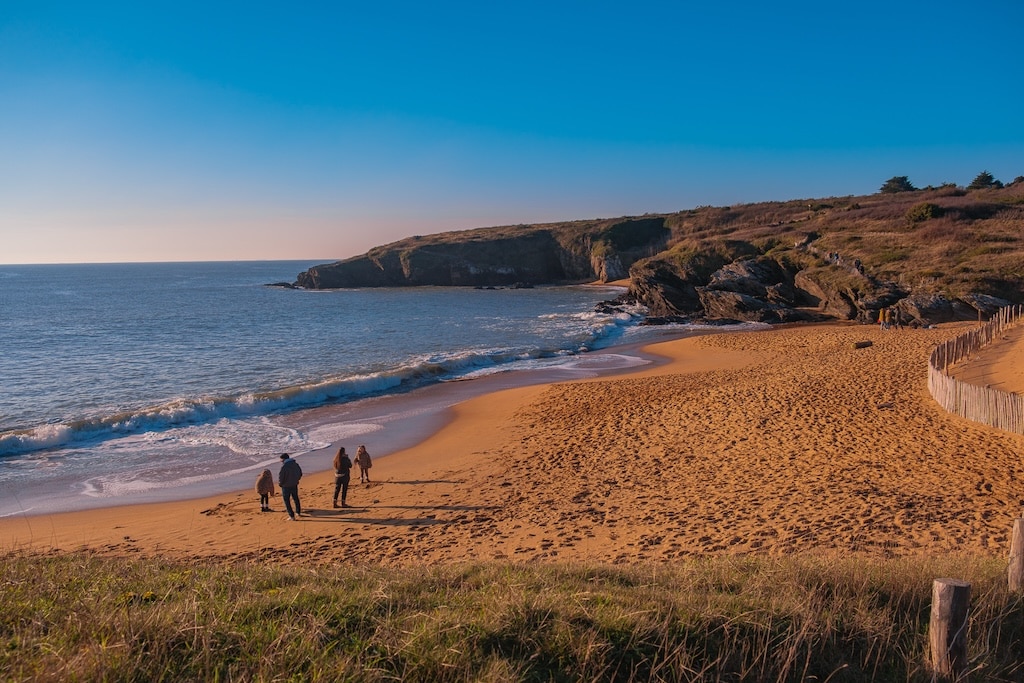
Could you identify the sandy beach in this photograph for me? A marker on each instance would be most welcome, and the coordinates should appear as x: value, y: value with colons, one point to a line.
x: 779, y: 441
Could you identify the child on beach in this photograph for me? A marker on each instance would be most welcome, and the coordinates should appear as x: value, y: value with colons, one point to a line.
x: 265, y: 487
x: 364, y: 462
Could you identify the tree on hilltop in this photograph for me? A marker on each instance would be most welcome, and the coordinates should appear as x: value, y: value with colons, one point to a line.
x: 898, y: 183
x: 984, y: 180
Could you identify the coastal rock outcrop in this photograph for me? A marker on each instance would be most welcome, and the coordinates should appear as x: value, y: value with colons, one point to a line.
x: 555, y: 254
x: 765, y: 290
x: 723, y: 304
x: 936, y: 308
x: 841, y: 258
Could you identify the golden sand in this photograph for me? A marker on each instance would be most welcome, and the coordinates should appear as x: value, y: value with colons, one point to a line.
x: 779, y: 441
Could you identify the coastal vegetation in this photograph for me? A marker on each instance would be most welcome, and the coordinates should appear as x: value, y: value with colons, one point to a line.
x: 77, y: 616
x: 939, y: 253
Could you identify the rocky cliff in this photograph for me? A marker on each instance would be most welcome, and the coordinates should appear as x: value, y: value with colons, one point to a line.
x: 582, y: 251
x: 930, y: 255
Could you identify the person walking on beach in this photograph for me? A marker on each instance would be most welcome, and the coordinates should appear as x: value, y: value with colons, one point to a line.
x: 288, y: 480
x: 265, y: 487
x: 364, y: 462
x: 342, y: 474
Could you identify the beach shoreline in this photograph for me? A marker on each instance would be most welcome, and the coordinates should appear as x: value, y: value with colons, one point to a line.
x: 157, y: 396
x: 387, y: 423
x: 777, y: 441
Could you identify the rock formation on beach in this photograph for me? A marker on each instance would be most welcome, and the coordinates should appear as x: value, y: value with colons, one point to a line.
x: 931, y: 255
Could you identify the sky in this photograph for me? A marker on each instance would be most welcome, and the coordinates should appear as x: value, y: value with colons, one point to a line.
x: 184, y: 131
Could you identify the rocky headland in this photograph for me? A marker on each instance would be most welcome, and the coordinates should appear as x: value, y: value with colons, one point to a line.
x: 934, y: 255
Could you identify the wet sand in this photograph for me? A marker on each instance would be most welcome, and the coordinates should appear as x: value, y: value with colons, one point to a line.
x: 770, y: 442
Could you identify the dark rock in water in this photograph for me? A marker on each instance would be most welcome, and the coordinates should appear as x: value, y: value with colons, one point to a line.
x: 666, y: 320
x: 621, y: 304
x: 720, y: 322
x: 285, y: 285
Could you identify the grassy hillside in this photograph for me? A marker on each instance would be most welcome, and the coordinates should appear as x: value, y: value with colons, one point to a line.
x: 80, y: 617
x: 946, y: 240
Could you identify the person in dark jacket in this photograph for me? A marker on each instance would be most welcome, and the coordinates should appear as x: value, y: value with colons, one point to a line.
x: 288, y: 480
x: 342, y: 474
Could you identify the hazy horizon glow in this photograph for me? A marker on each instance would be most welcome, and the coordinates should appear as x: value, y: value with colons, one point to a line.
x: 251, y: 132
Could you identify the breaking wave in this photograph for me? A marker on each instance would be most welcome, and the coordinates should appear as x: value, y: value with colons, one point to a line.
x: 601, y: 330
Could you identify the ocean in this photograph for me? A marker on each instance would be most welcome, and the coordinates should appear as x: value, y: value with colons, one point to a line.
x: 124, y: 383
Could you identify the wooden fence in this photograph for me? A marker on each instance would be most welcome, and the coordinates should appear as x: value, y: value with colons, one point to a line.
x: 981, y: 404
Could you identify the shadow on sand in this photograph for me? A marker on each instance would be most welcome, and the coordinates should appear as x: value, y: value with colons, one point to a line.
x: 358, y: 514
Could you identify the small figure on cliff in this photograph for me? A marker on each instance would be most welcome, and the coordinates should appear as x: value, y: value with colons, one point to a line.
x: 265, y: 487
x: 364, y: 462
x: 288, y: 479
x: 342, y: 475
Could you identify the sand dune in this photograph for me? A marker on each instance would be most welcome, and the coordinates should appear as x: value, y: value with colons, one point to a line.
x: 780, y: 441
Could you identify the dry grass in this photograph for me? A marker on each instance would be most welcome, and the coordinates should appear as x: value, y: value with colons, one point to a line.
x: 973, y: 244
x: 78, y: 617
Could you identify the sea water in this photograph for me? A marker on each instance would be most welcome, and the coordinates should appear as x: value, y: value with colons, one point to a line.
x: 128, y: 382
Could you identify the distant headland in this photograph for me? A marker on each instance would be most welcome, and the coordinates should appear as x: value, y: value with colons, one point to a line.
x: 929, y: 255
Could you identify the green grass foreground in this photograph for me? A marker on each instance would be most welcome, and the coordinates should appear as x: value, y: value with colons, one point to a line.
x: 88, y: 618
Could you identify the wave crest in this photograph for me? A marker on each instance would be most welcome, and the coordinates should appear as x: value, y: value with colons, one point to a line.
x: 181, y: 412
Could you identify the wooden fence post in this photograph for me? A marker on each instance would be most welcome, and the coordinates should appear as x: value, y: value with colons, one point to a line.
x: 1016, y: 571
x: 947, y: 632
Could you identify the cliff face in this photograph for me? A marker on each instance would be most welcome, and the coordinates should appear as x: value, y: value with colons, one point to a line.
x: 931, y: 255
x: 575, y: 252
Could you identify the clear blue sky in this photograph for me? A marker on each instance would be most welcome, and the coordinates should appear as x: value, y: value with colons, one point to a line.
x: 151, y: 131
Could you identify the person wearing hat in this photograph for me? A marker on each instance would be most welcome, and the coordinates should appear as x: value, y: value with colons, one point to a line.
x: 288, y: 480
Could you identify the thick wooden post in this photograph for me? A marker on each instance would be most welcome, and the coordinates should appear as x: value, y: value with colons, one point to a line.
x: 1016, y: 571
x: 947, y: 632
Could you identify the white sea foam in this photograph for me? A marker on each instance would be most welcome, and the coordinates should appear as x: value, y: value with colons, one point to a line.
x: 122, y: 484
x: 248, y: 436
x: 181, y: 412
x: 331, y: 433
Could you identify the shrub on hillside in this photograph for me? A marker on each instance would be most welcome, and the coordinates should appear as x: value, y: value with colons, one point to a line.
x: 950, y: 190
x: 924, y: 211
